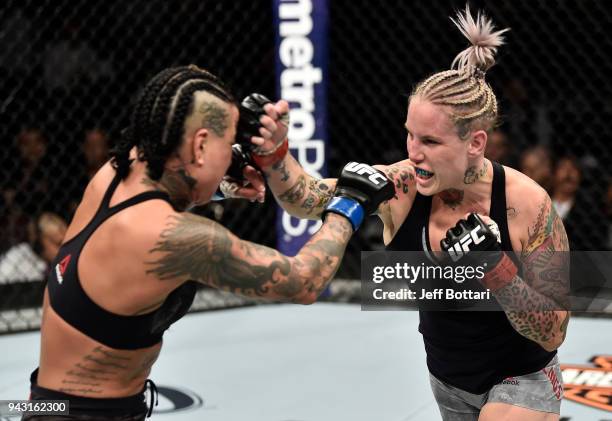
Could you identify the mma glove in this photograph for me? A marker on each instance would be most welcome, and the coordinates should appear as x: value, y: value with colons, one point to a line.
x: 244, y: 153
x: 234, y: 177
x: 240, y: 159
x: 251, y: 110
x: 478, y: 244
x: 360, y: 189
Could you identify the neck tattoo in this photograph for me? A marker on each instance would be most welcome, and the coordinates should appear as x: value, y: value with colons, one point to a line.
x: 178, y: 184
x: 452, y: 197
x: 471, y: 175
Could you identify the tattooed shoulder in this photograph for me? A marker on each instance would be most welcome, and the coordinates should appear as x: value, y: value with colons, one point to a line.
x: 544, y: 257
x: 545, y: 230
x: 196, y: 248
x: 511, y: 212
x: 402, y: 176
x: 188, y: 248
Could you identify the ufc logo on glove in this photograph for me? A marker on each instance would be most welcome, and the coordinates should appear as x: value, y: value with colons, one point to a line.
x: 361, y: 169
x: 463, y: 246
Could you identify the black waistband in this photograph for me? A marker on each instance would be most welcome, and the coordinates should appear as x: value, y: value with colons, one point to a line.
x: 79, y: 405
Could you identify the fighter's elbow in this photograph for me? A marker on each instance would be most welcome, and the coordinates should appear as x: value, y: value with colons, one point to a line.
x: 306, y: 299
x: 559, y: 337
x: 296, y: 291
x: 551, y: 346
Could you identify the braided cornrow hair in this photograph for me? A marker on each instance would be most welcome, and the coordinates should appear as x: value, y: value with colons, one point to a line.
x: 158, y: 118
x: 470, y: 98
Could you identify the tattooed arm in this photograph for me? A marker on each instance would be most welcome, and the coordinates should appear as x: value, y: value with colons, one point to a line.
x: 297, y: 192
x: 196, y: 248
x: 304, y: 196
x: 536, y: 304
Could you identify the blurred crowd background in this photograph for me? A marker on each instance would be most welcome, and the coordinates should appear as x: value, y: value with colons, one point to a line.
x: 69, y: 70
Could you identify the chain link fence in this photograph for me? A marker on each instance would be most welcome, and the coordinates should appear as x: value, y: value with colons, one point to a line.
x: 550, y: 79
x: 69, y: 70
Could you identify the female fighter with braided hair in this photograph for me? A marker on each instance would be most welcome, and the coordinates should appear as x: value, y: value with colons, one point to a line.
x: 483, y: 365
x: 131, y: 256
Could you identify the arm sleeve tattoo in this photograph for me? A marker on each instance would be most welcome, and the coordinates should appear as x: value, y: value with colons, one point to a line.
x: 297, y: 192
x: 195, y: 248
x: 537, y: 304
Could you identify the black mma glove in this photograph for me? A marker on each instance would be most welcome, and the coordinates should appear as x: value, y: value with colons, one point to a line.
x: 478, y: 243
x: 240, y: 159
x: 244, y: 153
x: 251, y: 109
x: 359, y: 191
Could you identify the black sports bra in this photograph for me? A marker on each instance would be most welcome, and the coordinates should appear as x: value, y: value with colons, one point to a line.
x: 72, y: 304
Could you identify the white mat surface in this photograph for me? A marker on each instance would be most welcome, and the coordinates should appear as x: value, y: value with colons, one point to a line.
x: 326, y: 362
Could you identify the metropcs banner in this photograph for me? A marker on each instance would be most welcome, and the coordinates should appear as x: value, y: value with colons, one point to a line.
x: 301, y: 69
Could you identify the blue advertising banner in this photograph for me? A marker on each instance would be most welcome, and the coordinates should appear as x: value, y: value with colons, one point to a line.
x: 301, y: 70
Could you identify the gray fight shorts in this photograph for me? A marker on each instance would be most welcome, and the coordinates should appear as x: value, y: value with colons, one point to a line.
x: 540, y: 391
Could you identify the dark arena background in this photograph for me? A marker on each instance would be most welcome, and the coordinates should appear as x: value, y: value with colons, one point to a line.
x: 70, y: 70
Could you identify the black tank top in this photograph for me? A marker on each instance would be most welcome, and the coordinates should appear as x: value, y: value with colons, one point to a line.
x: 471, y: 350
x: 71, y: 303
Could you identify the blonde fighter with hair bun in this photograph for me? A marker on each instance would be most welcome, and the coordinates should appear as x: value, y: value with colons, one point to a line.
x: 483, y: 366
